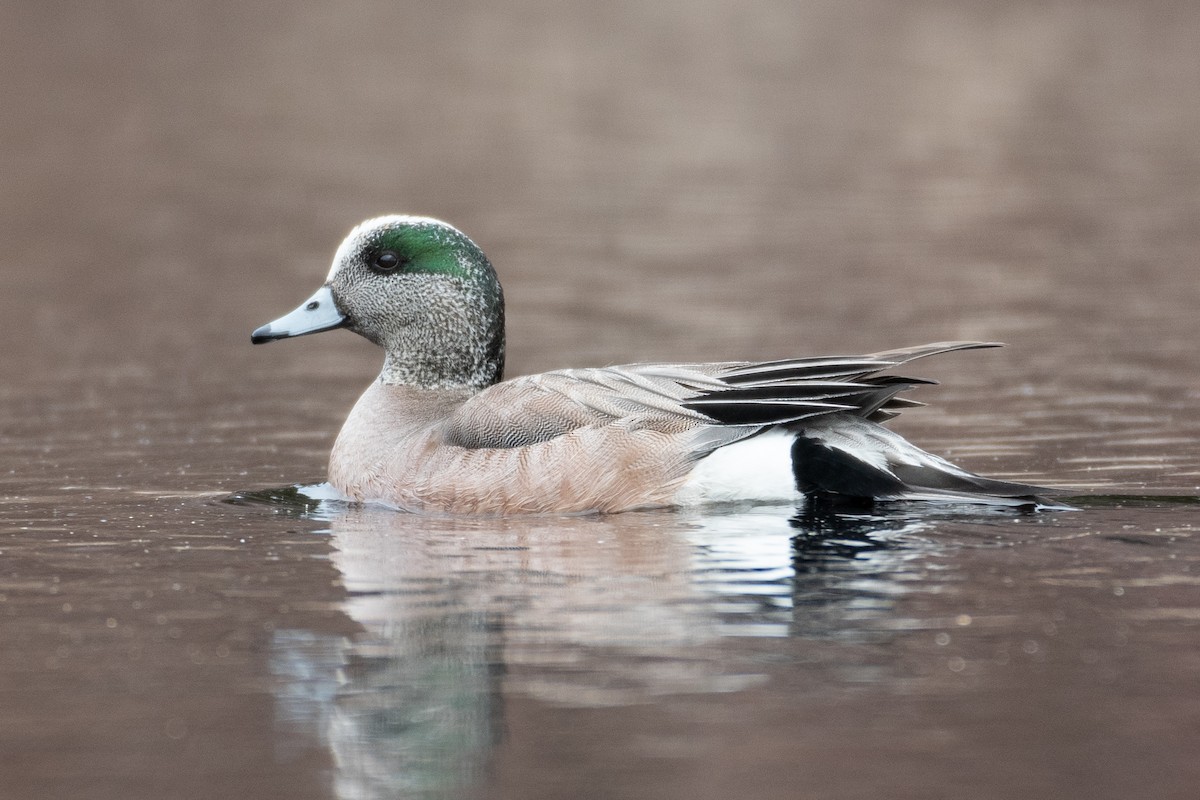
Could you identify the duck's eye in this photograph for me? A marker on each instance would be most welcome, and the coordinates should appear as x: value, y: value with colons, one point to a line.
x: 386, y: 261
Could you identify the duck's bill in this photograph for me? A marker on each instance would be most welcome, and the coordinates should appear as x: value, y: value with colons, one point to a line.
x: 317, y: 313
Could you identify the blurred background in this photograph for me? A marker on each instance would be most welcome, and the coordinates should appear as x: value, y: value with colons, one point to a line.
x: 682, y: 180
x: 710, y: 179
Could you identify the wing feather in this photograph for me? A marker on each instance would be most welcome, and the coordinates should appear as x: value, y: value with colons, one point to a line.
x: 679, y: 398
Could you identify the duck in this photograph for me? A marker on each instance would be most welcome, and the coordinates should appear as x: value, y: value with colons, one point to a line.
x: 440, y: 431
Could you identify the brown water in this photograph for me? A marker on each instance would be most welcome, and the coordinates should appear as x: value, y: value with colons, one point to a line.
x: 654, y: 181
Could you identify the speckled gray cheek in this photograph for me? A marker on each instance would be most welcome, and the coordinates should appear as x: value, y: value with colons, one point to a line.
x: 437, y: 331
x: 362, y: 307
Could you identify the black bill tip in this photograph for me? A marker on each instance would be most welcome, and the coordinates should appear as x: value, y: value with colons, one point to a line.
x: 263, y: 335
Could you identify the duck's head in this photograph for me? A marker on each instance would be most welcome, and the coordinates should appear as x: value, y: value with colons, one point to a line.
x: 422, y: 291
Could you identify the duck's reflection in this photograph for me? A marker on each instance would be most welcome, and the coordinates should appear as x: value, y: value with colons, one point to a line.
x: 595, y: 611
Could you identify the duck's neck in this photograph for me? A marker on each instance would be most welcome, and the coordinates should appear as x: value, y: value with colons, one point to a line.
x: 433, y: 363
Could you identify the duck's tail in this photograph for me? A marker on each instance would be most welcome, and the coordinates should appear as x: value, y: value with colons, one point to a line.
x: 832, y: 406
x: 845, y: 460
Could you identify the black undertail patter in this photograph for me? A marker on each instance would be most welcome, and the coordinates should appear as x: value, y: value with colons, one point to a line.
x: 824, y: 470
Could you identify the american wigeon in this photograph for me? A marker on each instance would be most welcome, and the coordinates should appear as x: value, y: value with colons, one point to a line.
x: 439, y: 431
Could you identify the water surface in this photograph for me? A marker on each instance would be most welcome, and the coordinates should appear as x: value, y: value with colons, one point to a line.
x: 681, y: 182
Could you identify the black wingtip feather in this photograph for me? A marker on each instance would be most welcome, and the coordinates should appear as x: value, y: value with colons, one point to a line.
x: 785, y: 392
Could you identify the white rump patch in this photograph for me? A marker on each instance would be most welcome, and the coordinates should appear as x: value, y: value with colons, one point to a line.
x: 758, y: 469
